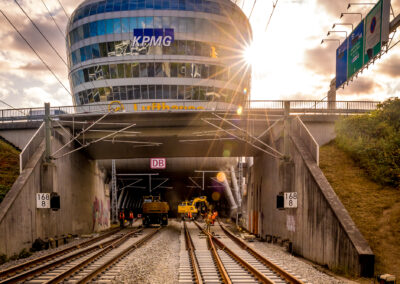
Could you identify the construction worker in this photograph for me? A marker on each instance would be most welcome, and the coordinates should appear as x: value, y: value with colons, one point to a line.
x: 214, y: 216
x: 121, y: 218
x: 208, y: 221
x: 190, y: 215
x: 130, y: 218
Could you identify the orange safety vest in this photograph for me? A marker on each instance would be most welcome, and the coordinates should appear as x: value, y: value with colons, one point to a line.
x: 131, y: 215
x: 121, y: 215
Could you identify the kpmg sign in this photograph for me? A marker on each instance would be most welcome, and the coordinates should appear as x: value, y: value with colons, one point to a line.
x: 153, y: 37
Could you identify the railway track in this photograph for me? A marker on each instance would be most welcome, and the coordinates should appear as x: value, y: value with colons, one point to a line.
x: 85, y: 265
x: 16, y: 269
x: 220, y: 257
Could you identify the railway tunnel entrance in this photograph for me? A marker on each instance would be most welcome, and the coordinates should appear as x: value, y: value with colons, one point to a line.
x: 73, y: 156
x: 195, y: 145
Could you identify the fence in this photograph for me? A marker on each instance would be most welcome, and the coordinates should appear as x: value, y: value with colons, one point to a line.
x: 31, y: 147
x: 296, y: 107
x: 298, y: 128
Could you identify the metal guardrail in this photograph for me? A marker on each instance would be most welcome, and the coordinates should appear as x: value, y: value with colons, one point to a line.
x: 296, y: 107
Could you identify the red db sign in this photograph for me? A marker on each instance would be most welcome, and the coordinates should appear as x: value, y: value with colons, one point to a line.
x: 158, y: 163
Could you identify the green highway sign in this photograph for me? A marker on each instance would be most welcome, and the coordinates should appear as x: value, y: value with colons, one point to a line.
x: 376, y: 29
x: 356, y: 50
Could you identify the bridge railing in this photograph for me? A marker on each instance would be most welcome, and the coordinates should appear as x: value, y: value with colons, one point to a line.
x: 31, y: 147
x: 296, y: 107
x: 308, y: 106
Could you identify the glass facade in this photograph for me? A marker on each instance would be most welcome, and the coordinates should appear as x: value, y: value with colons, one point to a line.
x: 179, y: 24
x: 152, y: 69
x: 125, y: 48
x: 157, y: 92
x: 203, y: 62
x: 205, y: 6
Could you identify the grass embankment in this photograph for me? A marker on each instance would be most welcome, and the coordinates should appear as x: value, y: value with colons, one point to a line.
x: 9, y: 167
x: 374, y: 208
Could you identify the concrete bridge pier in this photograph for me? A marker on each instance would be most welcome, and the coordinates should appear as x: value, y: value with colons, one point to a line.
x: 320, y: 229
x: 80, y: 183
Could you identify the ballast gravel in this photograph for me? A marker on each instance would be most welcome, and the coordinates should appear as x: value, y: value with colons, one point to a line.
x: 155, y: 262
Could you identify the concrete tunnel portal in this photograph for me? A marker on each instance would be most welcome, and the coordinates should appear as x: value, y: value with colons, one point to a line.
x: 196, y: 147
x: 181, y: 180
x: 77, y: 165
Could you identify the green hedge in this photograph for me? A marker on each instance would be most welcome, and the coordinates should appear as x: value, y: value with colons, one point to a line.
x: 374, y: 141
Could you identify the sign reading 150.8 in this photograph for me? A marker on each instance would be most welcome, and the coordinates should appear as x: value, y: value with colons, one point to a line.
x: 153, y: 37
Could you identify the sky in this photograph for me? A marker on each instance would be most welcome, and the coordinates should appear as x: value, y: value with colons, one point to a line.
x: 289, y: 62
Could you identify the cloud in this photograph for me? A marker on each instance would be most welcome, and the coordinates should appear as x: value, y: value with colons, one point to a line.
x: 361, y: 86
x: 332, y: 7
x: 391, y: 67
x: 321, y: 59
x: 33, y: 67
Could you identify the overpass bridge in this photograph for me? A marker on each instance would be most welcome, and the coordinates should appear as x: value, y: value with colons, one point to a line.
x: 71, y: 155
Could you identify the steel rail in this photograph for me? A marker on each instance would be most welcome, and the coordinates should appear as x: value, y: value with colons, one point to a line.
x: 193, y: 260
x: 59, y: 278
x: 256, y: 273
x: 48, y: 266
x: 218, y: 261
x: 34, y: 262
x: 117, y: 257
x: 282, y: 273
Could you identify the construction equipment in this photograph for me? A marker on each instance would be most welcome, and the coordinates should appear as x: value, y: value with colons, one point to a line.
x: 154, y: 211
x: 198, y: 204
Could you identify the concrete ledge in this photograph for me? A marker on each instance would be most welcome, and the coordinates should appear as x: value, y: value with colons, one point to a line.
x: 18, y: 185
x: 366, y: 256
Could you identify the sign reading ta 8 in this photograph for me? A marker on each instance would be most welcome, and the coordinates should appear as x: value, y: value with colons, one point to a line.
x: 153, y: 37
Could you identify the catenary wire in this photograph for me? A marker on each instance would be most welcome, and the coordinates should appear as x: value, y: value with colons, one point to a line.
x: 272, y: 13
x: 47, y: 66
x: 58, y: 27
x: 252, y: 9
x: 33, y: 23
x: 65, y: 12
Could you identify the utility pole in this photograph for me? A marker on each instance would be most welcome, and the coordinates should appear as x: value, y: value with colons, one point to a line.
x: 113, y: 193
x: 47, y: 132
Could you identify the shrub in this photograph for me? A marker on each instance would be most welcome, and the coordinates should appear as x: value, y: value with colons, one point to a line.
x: 24, y: 254
x: 3, y: 258
x: 374, y: 141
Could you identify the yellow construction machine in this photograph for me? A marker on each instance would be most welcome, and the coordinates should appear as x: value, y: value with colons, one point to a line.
x: 198, y: 204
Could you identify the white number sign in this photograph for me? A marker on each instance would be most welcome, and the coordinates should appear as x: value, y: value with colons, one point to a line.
x: 290, y: 200
x: 42, y: 200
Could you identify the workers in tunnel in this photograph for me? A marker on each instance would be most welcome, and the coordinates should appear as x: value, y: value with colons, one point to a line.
x: 121, y: 217
x: 130, y: 218
x: 214, y: 216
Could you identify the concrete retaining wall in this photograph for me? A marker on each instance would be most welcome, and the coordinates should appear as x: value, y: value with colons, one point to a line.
x: 85, y: 206
x: 19, y: 138
x: 320, y: 228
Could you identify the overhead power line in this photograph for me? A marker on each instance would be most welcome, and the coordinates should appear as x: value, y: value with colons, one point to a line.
x: 273, y: 10
x: 47, y: 66
x: 58, y: 27
x: 33, y: 23
x: 65, y: 12
x: 254, y: 4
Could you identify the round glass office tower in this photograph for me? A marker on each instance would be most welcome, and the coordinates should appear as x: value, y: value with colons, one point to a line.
x: 158, y: 51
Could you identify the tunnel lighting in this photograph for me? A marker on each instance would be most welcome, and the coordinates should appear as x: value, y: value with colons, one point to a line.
x: 239, y: 110
x: 221, y: 177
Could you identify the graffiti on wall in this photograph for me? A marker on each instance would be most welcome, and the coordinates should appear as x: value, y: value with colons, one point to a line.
x: 101, y: 213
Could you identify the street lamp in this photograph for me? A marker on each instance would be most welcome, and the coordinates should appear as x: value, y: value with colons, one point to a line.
x: 342, y: 24
x: 330, y: 39
x: 329, y: 32
x: 341, y: 15
x: 348, y: 7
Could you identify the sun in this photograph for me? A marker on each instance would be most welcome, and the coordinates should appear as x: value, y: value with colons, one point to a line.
x: 250, y: 54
